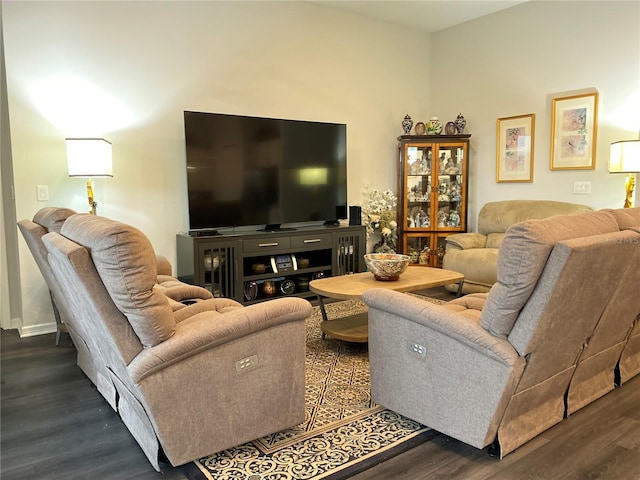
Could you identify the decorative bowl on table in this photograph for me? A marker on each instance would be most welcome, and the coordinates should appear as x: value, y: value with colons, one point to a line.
x: 386, y: 267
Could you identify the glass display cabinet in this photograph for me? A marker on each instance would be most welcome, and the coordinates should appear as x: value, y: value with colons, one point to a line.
x: 432, y: 194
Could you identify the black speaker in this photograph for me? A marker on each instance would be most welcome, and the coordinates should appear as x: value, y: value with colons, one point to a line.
x: 355, y: 215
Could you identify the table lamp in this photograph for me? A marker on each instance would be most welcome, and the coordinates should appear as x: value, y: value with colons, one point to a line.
x: 625, y: 158
x: 89, y: 157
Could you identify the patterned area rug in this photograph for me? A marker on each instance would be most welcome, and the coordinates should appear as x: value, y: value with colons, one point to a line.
x: 344, y: 432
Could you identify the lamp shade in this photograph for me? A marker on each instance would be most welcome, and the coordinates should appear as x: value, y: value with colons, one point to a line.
x: 89, y: 157
x: 625, y: 157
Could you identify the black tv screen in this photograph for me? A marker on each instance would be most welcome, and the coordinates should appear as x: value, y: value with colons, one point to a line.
x: 246, y: 171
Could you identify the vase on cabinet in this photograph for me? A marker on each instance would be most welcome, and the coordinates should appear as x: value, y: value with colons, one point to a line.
x: 461, y: 122
x: 407, y: 124
x: 434, y: 126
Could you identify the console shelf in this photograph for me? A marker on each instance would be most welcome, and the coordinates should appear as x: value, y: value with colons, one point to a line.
x: 259, y: 266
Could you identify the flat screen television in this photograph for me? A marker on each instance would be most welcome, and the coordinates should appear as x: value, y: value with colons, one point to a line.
x: 263, y: 172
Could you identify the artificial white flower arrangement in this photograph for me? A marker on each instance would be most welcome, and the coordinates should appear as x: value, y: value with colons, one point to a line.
x: 379, y: 215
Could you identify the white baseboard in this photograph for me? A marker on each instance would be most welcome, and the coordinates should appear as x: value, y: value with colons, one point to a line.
x: 33, y: 330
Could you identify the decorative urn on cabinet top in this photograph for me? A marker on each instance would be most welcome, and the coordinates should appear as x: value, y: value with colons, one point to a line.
x: 407, y: 124
x: 461, y: 122
x: 434, y: 126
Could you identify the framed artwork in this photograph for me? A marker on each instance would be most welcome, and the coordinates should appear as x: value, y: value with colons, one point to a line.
x: 514, y: 161
x: 574, y: 124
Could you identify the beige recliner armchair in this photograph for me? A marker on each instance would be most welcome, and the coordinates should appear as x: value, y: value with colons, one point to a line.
x: 475, y: 254
x: 191, y: 381
x: 51, y: 219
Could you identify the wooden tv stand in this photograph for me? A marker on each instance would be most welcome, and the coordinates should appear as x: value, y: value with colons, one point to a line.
x: 231, y: 265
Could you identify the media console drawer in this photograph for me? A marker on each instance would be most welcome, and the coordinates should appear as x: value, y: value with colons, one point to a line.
x: 266, y: 244
x: 321, y: 240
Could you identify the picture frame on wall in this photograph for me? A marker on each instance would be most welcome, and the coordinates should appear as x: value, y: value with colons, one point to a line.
x: 515, y: 138
x: 574, y: 125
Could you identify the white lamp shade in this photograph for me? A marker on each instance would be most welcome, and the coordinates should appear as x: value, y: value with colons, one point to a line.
x: 89, y: 157
x: 625, y: 157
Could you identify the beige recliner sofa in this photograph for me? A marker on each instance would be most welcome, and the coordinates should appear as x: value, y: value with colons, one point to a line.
x: 475, y: 254
x: 191, y: 381
x: 558, y: 330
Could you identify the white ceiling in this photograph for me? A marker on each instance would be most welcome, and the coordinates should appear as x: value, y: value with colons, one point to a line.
x: 426, y: 15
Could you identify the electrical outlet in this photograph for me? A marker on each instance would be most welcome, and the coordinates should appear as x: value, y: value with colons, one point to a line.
x: 582, y: 187
x: 42, y: 193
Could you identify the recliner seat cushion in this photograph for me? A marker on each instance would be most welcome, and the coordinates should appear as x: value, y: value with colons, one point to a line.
x: 523, y: 254
x: 126, y: 263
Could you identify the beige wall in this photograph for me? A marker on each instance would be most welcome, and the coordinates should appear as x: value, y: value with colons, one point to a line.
x: 514, y: 62
x: 152, y: 60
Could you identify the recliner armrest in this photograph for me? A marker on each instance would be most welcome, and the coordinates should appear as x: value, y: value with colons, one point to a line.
x: 466, y: 241
x: 446, y: 322
x: 220, y: 305
x: 208, y: 329
x: 179, y: 291
x: 163, y: 265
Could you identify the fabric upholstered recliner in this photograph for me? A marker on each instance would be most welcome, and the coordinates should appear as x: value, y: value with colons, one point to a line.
x: 51, y: 219
x: 629, y: 363
x: 191, y: 381
x: 475, y: 254
x: 558, y: 330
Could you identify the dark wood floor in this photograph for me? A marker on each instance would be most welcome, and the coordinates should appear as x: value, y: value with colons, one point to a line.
x: 55, y: 425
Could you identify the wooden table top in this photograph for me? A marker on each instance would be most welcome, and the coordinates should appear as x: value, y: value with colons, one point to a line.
x: 414, y: 278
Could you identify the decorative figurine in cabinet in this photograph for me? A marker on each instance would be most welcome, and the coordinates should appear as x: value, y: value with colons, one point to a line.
x: 432, y: 194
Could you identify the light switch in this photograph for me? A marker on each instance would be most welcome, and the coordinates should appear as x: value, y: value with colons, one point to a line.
x: 42, y: 193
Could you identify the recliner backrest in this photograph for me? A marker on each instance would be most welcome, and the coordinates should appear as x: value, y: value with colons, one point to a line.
x: 577, y: 284
x: 497, y: 217
x: 627, y: 218
x: 522, y: 258
x: 618, y: 319
x: 52, y: 218
x: 126, y: 264
x: 87, y: 296
x: 48, y: 219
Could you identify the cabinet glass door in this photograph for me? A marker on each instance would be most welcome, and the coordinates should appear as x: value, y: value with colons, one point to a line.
x: 451, y: 180
x: 418, y: 247
x: 425, y: 249
x: 419, y: 185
